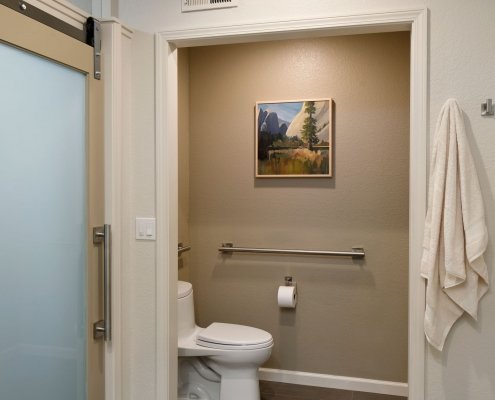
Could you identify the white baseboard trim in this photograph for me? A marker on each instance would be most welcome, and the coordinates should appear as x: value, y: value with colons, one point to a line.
x: 334, y: 382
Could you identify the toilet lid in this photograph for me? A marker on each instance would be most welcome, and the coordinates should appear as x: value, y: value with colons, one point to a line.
x: 233, y: 337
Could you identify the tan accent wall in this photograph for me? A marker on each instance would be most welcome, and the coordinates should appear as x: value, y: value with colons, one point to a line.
x: 351, y: 318
x: 184, y: 238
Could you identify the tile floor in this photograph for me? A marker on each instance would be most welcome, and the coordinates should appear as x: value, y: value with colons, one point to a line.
x: 285, y: 391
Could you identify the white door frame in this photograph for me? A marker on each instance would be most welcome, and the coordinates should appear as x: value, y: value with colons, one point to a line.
x: 167, y: 44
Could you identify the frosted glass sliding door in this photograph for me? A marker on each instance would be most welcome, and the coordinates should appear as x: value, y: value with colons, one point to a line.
x: 43, y: 219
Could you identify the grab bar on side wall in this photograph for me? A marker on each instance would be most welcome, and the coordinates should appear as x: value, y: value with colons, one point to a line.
x: 357, y: 252
x: 181, y: 248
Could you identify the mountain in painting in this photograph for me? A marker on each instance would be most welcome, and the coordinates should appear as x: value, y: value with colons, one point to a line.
x: 322, y: 115
x: 269, y: 122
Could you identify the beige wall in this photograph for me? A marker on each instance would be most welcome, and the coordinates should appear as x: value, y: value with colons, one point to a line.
x: 351, y: 318
x: 183, y: 216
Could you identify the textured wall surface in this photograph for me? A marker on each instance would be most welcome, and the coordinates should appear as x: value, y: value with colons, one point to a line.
x: 183, y: 220
x: 159, y: 15
x: 349, y: 313
x: 97, y: 8
x: 85, y: 5
x: 138, y: 269
x: 461, y: 56
x: 461, y: 66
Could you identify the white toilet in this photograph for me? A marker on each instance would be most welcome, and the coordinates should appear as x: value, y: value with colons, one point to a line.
x: 219, y: 362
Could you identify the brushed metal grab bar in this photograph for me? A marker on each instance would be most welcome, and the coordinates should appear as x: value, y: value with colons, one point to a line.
x: 181, y: 248
x: 356, y: 252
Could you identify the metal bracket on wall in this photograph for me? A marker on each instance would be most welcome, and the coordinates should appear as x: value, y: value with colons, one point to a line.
x: 93, y: 38
x: 181, y: 249
x: 487, y: 108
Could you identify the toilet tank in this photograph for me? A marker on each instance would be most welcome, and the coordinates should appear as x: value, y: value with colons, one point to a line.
x: 185, y: 311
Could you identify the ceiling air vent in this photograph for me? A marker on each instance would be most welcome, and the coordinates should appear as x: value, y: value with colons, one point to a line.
x: 196, y: 5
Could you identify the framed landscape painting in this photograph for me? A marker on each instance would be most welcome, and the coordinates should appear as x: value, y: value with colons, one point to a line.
x: 294, y: 139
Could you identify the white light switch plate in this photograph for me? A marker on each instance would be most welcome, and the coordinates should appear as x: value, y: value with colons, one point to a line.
x: 145, y: 228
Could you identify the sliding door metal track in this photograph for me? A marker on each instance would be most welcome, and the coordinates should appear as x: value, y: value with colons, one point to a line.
x: 47, y: 19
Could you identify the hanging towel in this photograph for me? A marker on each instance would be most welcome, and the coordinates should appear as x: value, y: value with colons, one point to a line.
x: 455, y: 235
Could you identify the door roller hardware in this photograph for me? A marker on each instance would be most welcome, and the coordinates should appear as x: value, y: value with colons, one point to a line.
x: 93, y: 38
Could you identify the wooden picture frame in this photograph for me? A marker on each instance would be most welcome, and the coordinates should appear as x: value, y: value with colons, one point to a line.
x: 294, y: 138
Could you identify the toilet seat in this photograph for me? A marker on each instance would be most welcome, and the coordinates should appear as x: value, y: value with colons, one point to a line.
x: 233, y: 337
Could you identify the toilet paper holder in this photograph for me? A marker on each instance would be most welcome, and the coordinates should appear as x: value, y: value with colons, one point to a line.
x: 287, y: 294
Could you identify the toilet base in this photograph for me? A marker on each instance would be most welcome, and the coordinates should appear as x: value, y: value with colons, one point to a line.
x: 196, y: 380
x: 239, y: 389
x: 216, y: 378
x: 239, y: 373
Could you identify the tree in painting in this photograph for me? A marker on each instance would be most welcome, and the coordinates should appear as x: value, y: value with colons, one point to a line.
x: 293, y: 138
x: 308, y: 131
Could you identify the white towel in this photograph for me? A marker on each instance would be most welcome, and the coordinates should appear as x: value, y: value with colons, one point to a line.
x: 455, y: 232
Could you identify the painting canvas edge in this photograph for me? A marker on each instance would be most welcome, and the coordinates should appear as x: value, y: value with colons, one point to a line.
x: 330, y: 139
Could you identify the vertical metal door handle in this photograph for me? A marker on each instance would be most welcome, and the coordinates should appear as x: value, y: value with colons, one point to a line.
x: 103, y: 328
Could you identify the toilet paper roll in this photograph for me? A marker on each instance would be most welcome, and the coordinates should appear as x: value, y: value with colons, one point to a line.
x: 287, y: 296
